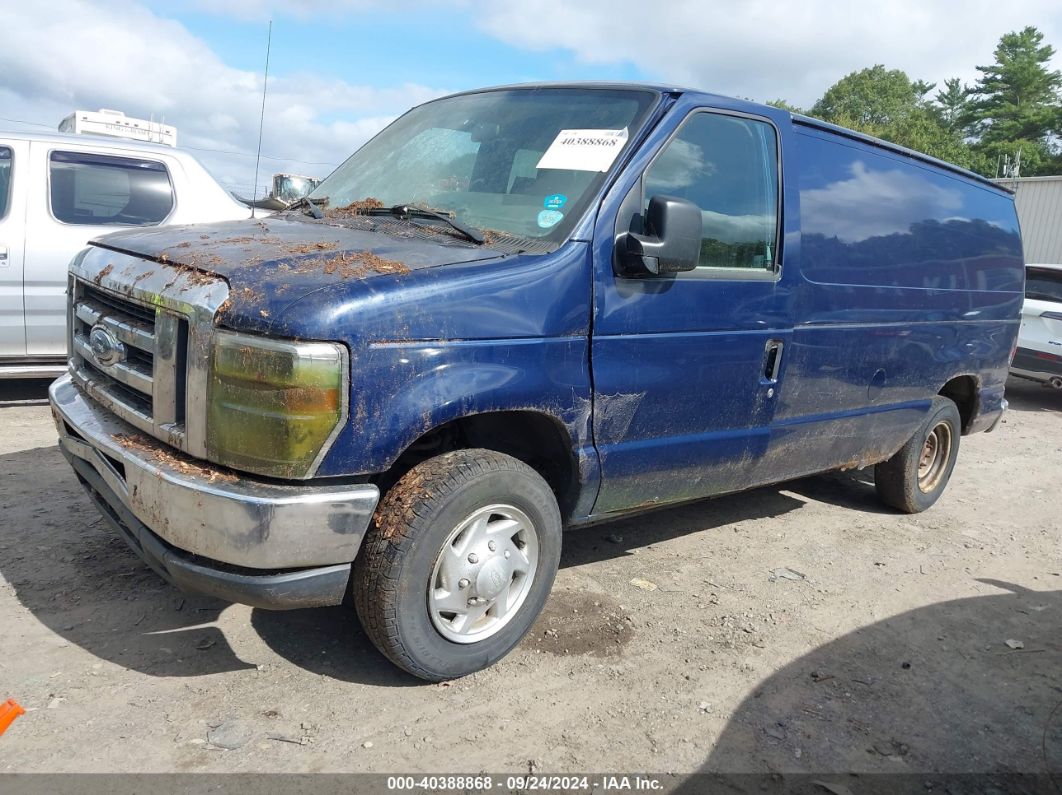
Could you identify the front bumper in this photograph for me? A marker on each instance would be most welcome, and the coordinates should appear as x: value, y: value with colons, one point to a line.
x: 239, y: 538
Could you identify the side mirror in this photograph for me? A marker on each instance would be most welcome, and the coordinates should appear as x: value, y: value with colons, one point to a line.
x: 672, y: 242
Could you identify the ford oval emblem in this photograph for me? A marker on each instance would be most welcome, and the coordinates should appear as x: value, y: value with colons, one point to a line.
x: 105, y: 348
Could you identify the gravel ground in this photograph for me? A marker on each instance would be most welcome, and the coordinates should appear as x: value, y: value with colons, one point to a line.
x: 798, y: 628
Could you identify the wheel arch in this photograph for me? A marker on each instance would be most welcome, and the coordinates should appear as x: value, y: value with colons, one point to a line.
x: 535, y: 437
x: 964, y: 391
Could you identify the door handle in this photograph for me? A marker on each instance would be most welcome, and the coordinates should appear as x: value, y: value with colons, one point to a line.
x: 3, y: 257
x: 772, y: 360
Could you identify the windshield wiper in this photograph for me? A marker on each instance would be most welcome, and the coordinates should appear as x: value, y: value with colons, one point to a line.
x: 310, y: 205
x: 408, y: 211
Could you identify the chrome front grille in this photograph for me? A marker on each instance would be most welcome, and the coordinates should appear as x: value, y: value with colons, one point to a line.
x: 133, y: 353
x: 140, y: 340
x: 129, y: 330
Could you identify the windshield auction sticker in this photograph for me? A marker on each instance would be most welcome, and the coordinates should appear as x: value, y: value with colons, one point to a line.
x: 584, y: 150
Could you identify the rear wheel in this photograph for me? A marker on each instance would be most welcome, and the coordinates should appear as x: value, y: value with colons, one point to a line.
x: 459, y: 564
x: 914, y: 478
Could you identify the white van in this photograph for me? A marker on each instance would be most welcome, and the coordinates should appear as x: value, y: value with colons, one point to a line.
x: 57, y: 192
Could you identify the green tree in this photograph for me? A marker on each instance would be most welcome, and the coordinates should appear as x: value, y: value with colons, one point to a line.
x: 1035, y: 158
x: 887, y: 104
x: 1018, y: 97
x: 876, y: 96
x: 781, y: 103
x: 923, y: 131
x: 952, y: 104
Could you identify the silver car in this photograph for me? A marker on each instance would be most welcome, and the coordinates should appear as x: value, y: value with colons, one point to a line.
x: 59, y: 191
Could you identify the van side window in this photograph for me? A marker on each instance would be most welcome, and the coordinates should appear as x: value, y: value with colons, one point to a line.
x: 100, y: 189
x: 727, y: 166
x: 5, y: 179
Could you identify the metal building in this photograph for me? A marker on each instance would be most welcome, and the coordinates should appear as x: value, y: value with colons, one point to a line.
x: 1039, y: 203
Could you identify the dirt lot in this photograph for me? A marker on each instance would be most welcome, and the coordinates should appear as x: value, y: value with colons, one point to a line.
x: 880, y: 645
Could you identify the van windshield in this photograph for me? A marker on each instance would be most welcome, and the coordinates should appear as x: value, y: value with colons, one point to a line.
x: 526, y: 162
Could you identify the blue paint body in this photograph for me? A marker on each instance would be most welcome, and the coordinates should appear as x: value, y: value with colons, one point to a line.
x: 897, y: 274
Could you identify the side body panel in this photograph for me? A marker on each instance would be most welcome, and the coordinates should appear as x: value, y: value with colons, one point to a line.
x: 910, y: 276
x: 12, y: 251
x: 897, y: 276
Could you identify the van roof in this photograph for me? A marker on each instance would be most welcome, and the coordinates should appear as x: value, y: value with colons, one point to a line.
x: 88, y: 139
x: 757, y: 107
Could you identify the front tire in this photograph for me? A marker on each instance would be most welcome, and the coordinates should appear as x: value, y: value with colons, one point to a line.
x: 913, y: 479
x: 459, y: 563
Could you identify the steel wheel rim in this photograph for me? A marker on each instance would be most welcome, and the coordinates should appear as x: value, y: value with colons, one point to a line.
x: 483, y: 574
x: 936, y: 452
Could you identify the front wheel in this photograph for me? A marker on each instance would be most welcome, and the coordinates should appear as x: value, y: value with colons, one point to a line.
x: 459, y: 564
x: 914, y: 478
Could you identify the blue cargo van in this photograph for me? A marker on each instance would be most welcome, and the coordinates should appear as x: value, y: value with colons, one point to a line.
x: 524, y: 309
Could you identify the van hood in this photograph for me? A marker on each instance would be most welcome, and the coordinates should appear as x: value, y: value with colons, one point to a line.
x: 271, y: 263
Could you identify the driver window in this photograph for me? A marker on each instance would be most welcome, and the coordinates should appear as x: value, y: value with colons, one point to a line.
x: 727, y: 166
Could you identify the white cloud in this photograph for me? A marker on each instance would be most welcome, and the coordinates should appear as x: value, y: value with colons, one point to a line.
x: 264, y: 9
x: 766, y: 50
x: 71, y: 54
x: 68, y: 54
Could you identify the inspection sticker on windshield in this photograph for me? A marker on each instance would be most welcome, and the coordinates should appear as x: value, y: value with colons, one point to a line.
x: 584, y: 150
x: 548, y: 218
x: 555, y: 201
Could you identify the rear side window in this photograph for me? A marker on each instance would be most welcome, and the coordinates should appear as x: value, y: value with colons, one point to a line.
x: 1043, y: 284
x: 101, y: 190
x: 727, y: 166
x: 5, y: 180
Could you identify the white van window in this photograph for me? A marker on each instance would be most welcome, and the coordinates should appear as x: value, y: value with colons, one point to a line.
x: 727, y: 166
x: 95, y: 189
x: 5, y: 179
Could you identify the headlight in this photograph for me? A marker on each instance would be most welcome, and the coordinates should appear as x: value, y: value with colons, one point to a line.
x: 273, y: 404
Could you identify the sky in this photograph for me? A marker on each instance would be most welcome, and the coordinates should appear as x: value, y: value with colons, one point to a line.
x: 340, y: 70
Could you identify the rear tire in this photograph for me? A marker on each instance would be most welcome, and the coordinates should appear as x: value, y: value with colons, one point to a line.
x: 459, y: 564
x: 913, y: 479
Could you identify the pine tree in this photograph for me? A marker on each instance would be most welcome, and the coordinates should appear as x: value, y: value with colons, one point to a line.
x: 1017, y: 97
x: 952, y: 104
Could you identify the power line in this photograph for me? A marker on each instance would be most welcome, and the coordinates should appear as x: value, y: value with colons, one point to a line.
x: 30, y: 123
x: 196, y: 148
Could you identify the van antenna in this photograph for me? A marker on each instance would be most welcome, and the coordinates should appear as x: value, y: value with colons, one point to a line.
x: 261, y: 119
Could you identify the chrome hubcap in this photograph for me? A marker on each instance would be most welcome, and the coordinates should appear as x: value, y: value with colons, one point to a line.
x: 934, y: 459
x: 483, y: 574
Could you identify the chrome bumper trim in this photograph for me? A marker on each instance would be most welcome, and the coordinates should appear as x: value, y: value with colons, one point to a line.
x: 241, y: 521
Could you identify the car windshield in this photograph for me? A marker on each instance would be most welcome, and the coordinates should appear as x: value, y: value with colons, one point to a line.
x: 526, y: 162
